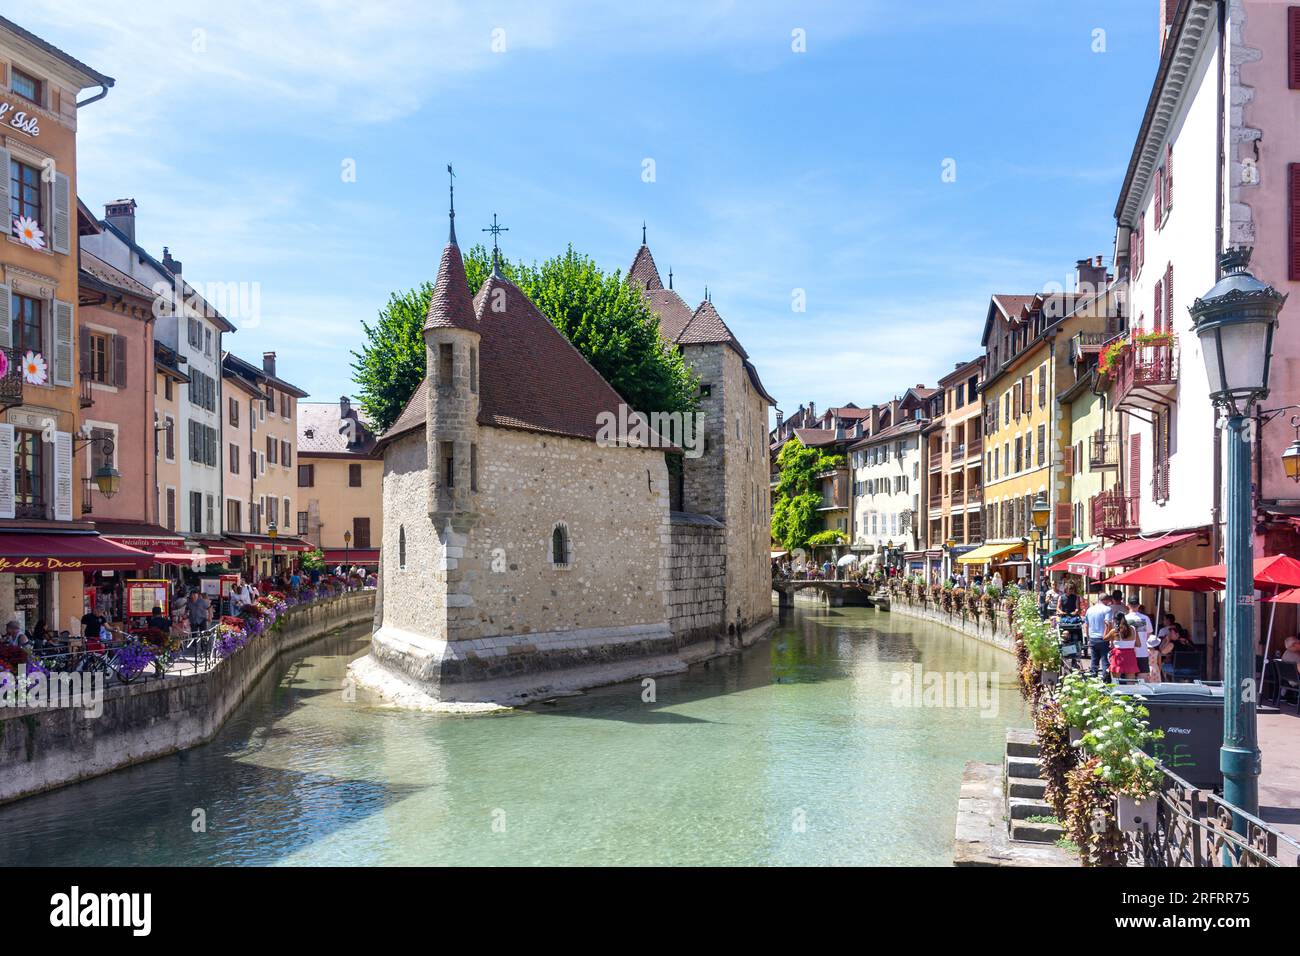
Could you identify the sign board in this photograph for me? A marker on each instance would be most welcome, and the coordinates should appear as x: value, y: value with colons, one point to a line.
x: 211, y: 587
x: 142, y: 596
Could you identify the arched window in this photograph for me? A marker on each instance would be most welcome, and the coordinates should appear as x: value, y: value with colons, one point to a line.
x: 560, y: 551
x: 401, y: 548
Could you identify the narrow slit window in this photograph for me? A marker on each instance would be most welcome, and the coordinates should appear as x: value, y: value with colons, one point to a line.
x: 448, y: 465
x: 444, y: 364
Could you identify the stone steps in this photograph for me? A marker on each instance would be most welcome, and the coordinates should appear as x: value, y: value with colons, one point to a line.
x: 1024, y: 789
x: 1024, y: 768
x: 1026, y: 832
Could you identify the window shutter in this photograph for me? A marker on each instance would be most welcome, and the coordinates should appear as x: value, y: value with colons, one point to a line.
x: 83, y: 347
x: 6, y: 468
x: 61, y: 221
x: 1169, y: 176
x: 1159, y: 320
x: 1159, y: 203
x: 4, y: 191
x: 6, y: 311
x: 1293, y: 224
x: 1293, y: 48
x: 62, y: 476
x: 61, y: 372
x: 119, y: 361
x: 1135, y: 472
x: 1064, y: 521
x: 1169, y: 296
x: 1067, y: 462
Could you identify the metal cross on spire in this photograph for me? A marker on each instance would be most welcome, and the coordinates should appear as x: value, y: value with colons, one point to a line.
x: 451, y: 183
x: 496, y: 229
x: 643, y: 232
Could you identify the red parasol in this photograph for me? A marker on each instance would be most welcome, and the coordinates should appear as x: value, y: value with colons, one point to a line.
x: 1163, y: 574
x: 1271, y: 573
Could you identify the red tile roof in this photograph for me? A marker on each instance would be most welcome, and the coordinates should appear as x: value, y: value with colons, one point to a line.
x: 322, y: 430
x: 815, y: 436
x: 450, y: 306
x: 644, y: 271
x: 674, y: 314
x: 530, y: 376
x: 706, y: 327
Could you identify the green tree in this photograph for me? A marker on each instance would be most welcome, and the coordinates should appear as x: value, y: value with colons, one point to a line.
x: 794, y: 512
x: 605, y: 319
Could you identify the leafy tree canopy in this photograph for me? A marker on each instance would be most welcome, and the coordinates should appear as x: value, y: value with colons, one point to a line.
x: 794, y: 512
x: 604, y: 318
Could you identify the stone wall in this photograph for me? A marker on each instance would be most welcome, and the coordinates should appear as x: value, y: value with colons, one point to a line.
x: 45, y: 748
x: 696, y: 577
x: 994, y: 628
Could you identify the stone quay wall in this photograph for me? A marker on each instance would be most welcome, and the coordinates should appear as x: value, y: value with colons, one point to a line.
x: 44, y: 748
x: 695, y: 578
x: 991, y: 625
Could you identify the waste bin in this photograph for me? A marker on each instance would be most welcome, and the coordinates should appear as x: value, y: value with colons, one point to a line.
x: 1191, y: 715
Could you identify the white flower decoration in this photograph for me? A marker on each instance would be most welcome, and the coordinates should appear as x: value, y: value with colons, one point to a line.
x: 35, y: 371
x: 29, y: 232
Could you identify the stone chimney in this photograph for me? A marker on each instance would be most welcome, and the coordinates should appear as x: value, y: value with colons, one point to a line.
x: 172, y: 265
x: 812, y: 415
x: 1089, y: 276
x: 268, y: 363
x: 120, y: 214
x: 345, y: 404
x: 1167, y: 10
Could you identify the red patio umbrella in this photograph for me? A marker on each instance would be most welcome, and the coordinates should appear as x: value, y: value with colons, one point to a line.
x: 1291, y: 596
x: 1271, y: 573
x: 1164, y: 574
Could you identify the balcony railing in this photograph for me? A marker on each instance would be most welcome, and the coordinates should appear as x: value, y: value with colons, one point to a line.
x: 11, y: 383
x: 975, y: 449
x: 936, y: 459
x: 959, y: 452
x: 1145, y: 375
x: 1114, y: 514
x: 958, y: 496
x: 1103, y: 451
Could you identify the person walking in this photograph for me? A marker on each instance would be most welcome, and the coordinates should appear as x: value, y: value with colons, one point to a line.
x: 1144, y: 629
x: 1098, y: 647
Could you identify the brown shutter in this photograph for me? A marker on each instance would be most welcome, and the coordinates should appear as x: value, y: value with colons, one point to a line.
x: 84, y: 341
x: 1293, y: 225
x: 119, y: 361
x: 1159, y: 320
x: 1169, y: 176
x: 1159, y: 203
x: 1064, y: 521
x: 1293, y: 46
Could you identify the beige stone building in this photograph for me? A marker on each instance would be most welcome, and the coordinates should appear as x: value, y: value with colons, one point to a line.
x: 525, y: 553
x: 730, y: 481
x: 340, y: 483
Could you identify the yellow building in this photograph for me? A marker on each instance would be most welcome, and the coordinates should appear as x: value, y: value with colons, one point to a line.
x: 1028, y: 363
x: 340, y: 483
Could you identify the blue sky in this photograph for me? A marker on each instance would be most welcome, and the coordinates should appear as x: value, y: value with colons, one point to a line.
x: 774, y: 170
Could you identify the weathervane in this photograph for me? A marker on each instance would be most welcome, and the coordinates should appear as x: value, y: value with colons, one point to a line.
x: 451, y: 182
x: 496, y: 229
x: 643, y: 232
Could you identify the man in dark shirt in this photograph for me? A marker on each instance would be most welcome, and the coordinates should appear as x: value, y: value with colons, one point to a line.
x: 91, y: 624
x: 159, y: 620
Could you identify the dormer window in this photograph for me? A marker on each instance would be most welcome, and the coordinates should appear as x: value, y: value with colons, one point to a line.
x: 26, y: 86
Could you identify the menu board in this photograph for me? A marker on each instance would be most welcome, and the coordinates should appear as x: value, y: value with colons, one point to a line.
x: 144, y: 596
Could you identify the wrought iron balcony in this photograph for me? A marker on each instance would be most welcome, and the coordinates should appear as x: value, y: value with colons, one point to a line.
x: 11, y: 382
x: 1103, y: 451
x: 1144, y: 375
x: 1114, y: 514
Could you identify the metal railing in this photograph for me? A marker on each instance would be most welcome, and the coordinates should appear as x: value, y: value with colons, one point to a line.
x: 1103, y: 451
x: 1194, y: 828
x: 1114, y: 513
x: 87, y: 395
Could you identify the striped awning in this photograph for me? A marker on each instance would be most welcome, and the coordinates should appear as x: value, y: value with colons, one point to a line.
x: 989, y: 552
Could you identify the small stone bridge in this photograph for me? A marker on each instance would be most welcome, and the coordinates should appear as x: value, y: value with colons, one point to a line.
x: 834, y: 593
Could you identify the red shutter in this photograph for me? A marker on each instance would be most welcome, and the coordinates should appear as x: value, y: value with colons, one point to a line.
x: 1142, y: 244
x: 1158, y: 320
x: 1132, y: 252
x: 1293, y: 46
x: 1064, y: 521
x: 1067, y: 462
x: 1293, y: 226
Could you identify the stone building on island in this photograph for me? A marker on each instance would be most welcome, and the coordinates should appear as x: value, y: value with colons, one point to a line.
x: 523, y: 556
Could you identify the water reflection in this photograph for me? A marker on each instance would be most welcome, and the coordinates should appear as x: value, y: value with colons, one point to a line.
x: 793, y: 752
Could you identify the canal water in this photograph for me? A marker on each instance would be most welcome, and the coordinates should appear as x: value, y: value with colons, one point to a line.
x: 809, y: 748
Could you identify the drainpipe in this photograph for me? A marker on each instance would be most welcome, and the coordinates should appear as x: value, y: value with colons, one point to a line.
x: 103, y: 92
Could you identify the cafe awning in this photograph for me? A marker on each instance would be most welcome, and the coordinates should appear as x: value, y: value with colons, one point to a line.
x: 263, y: 542
x: 989, y: 552
x: 1095, y: 563
x: 355, y: 555
x: 31, y: 553
x: 146, y: 537
x: 197, y: 560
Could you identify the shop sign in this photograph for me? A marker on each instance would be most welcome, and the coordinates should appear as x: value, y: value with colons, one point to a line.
x: 20, y: 120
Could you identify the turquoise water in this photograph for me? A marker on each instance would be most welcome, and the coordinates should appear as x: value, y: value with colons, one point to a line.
x: 802, y: 750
